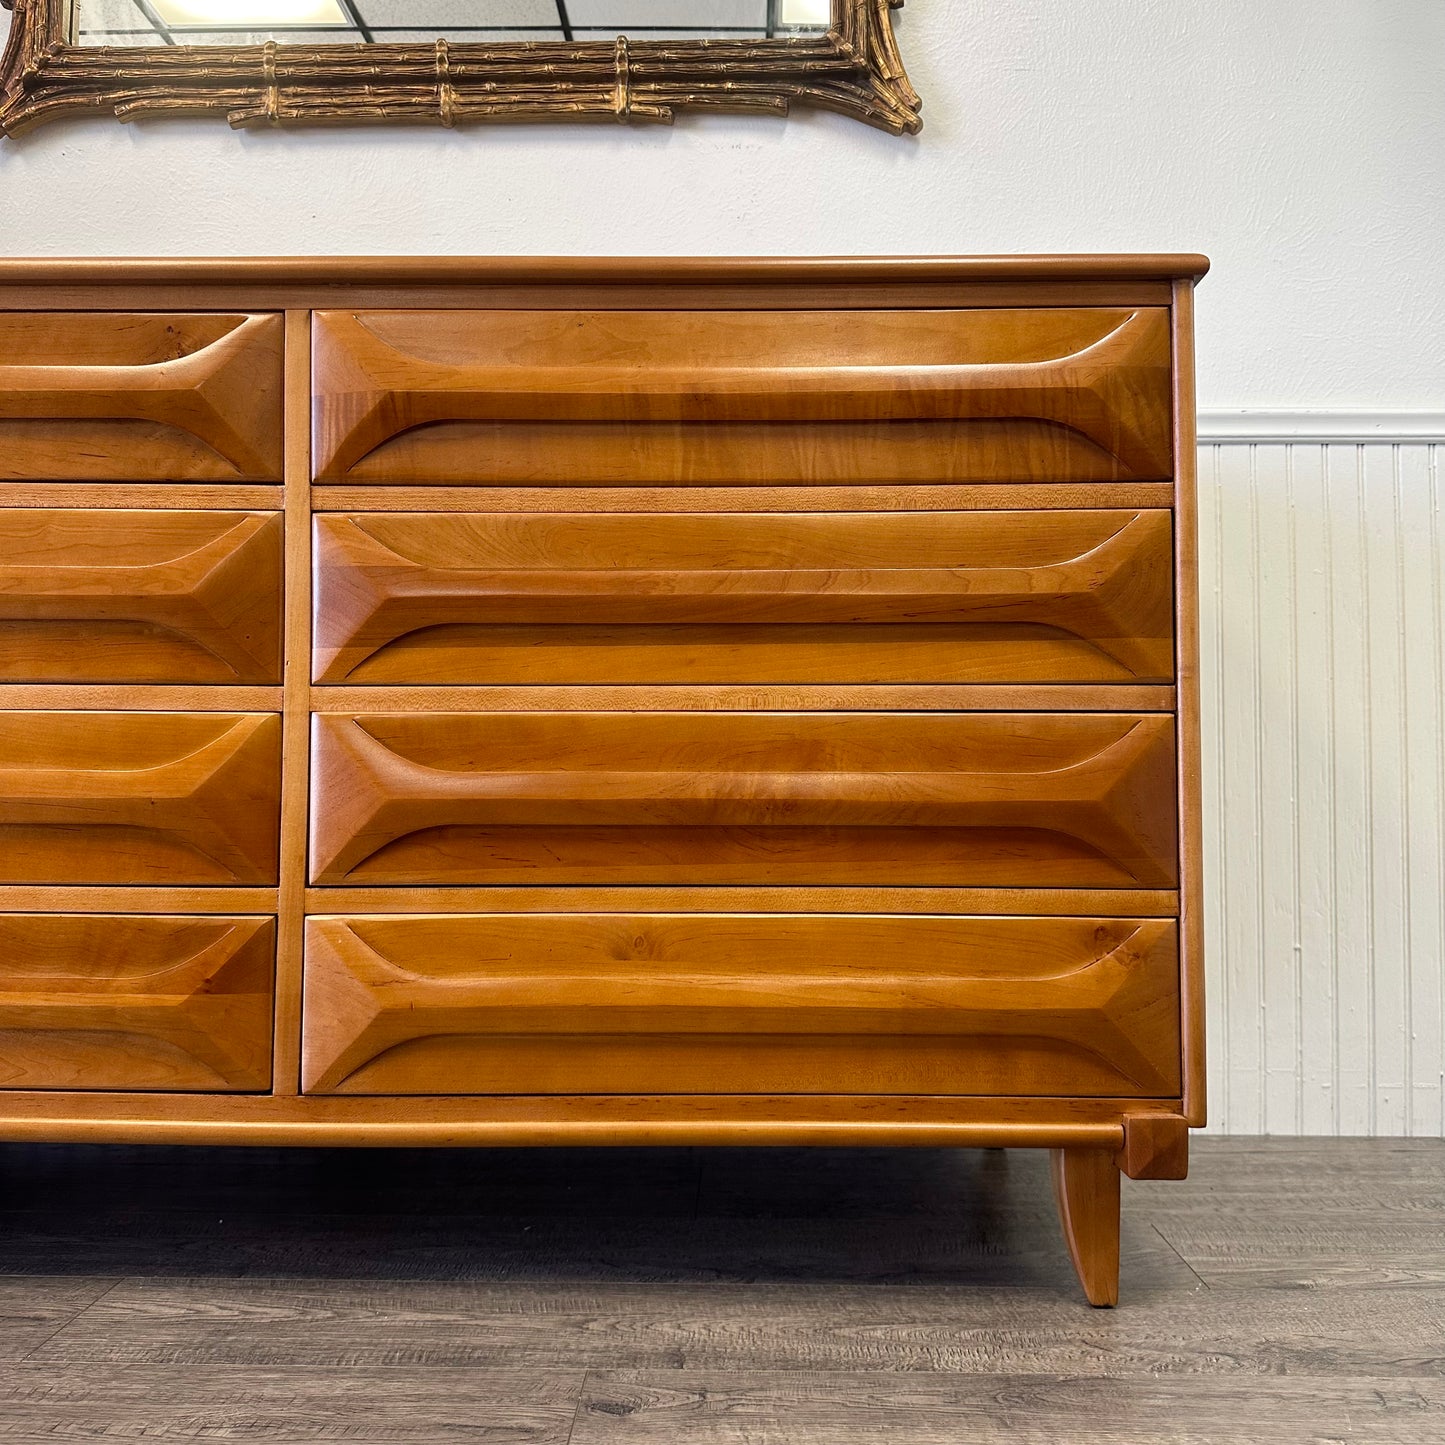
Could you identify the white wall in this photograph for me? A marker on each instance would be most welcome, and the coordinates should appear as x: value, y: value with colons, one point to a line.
x: 1301, y: 143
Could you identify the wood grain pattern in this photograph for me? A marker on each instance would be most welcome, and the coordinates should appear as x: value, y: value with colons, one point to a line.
x: 141, y: 798
x: 667, y: 398
x: 932, y: 1326
x: 140, y: 397
x: 590, y: 1120
x: 699, y: 898
x: 1055, y: 597
x: 167, y: 1405
x: 1156, y: 1146
x: 295, y: 722
x: 146, y: 697
x: 1003, y: 799
x: 197, y: 496
x: 201, y: 898
x: 100, y: 1001
x: 1191, y: 752
x: 714, y: 697
x: 1086, y: 1188
x: 790, y: 498
x: 32, y: 1308
x: 277, y: 294
x: 688, y: 1003
x: 878, y: 1404
x: 140, y: 596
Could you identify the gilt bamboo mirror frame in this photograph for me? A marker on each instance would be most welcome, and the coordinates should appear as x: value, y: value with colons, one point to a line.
x: 853, y: 67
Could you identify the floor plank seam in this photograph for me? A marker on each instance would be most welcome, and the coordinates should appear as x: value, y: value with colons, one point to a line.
x: 1168, y: 1244
x: 577, y: 1409
x: 110, y: 1289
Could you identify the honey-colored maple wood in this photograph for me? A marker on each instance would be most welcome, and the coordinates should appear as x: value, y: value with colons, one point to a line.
x: 683, y: 598
x: 296, y: 719
x: 748, y: 697
x: 848, y: 281
x: 144, y: 797
x: 935, y: 1121
x: 169, y: 496
x: 140, y: 596
x: 700, y: 898
x: 801, y: 611
x: 1156, y: 1146
x: 101, y: 1001
x: 708, y: 500
x: 675, y: 397
x: 1082, y: 800
x: 1191, y: 808
x: 1086, y: 1187
x: 148, y: 697
x: 204, y: 898
x: 91, y: 396
x: 694, y: 1003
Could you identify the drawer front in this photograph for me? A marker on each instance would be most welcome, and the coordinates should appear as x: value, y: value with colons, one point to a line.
x: 697, y: 1003
x: 141, y: 798
x: 658, y: 397
x: 829, y: 597
x: 1026, y: 800
x: 135, y: 1002
x: 140, y: 397
x: 140, y: 596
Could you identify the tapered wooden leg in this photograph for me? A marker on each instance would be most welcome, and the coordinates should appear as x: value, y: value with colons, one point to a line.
x: 1086, y: 1184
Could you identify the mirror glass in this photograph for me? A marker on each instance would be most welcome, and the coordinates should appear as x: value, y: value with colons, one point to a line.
x: 483, y: 22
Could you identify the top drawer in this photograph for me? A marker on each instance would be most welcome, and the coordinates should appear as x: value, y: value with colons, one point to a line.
x: 116, y: 397
x: 742, y: 398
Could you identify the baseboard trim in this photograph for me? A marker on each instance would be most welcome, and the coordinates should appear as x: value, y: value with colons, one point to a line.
x: 1321, y: 426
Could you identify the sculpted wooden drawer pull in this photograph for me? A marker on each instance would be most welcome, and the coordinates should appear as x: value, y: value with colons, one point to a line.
x: 139, y: 797
x: 589, y: 398
x: 151, y: 396
x: 703, y: 1002
x: 140, y: 596
x: 865, y: 597
x: 102, y: 1001
x: 1082, y: 800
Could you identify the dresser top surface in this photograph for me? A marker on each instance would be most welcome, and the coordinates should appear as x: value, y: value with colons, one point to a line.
x: 618, y: 270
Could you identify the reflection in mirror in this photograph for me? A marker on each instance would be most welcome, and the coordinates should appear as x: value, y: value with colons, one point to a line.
x: 351, y: 22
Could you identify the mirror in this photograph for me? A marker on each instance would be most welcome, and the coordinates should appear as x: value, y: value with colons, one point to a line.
x: 453, y: 62
x: 480, y: 22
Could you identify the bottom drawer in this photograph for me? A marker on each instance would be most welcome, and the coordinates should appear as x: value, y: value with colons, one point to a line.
x: 112, y: 1001
x: 729, y: 1003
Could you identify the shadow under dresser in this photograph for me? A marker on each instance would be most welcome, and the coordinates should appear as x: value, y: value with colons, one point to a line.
x: 532, y: 702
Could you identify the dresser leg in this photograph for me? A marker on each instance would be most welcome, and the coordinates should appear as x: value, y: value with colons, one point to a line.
x: 1086, y: 1185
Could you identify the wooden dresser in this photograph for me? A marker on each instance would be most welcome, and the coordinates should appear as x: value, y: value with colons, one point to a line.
x: 604, y: 702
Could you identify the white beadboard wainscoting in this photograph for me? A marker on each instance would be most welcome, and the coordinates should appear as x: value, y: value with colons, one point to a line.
x: 1322, y: 598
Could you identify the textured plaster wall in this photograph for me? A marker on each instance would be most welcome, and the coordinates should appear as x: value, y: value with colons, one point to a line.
x: 1300, y: 142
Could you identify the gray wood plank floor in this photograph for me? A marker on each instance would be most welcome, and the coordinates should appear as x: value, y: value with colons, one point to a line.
x: 1289, y: 1291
